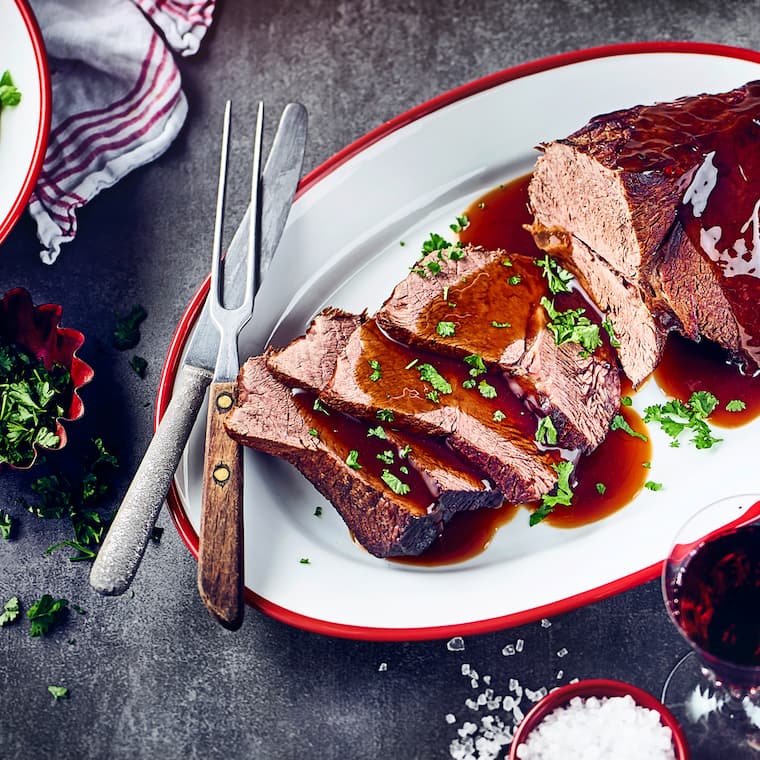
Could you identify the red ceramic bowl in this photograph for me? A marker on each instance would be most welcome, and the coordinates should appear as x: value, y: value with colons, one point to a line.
x: 600, y: 687
x: 37, y: 329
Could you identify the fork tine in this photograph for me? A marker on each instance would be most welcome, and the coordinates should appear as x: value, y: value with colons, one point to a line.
x: 252, y: 263
x: 215, y: 290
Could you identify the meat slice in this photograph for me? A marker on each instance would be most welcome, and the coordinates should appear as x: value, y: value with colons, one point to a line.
x: 489, y: 303
x: 428, y: 394
x: 666, y: 196
x: 392, y: 506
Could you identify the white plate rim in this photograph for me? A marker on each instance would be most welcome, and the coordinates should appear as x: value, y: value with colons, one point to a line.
x: 484, y: 624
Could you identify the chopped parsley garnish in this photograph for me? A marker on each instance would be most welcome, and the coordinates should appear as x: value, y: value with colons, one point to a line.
x: 601, y: 489
x: 499, y: 416
x: 433, y: 267
x: 377, y: 432
x: 556, y: 277
x: 429, y: 374
x: 652, y: 486
x: 610, y: 330
x: 395, y: 483
x: 139, y: 365
x: 546, y: 433
x: 476, y: 363
x: 486, y: 389
x: 676, y: 416
x: 647, y: 465
x: 46, y: 613
x: 305, y: 561
x: 377, y: 372
x: 435, y: 243
x: 352, y: 460
x: 10, y: 95
x: 515, y: 279
x: 6, y: 525
x: 58, y: 692
x: 11, y: 610
x: 405, y: 452
x: 412, y: 363
x: 626, y: 401
x: 387, y: 457
x: 385, y: 415
x: 314, y: 433
x: 317, y: 511
x: 571, y: 326
x: 620, y: 423
x: 468, y: 384
x: 461, y: 224
x: 506, y: 263
x: 320, y: 407
x: 735, y: 405
x: 445, y: 329
x: 126, y: 334
x: 494, y: 323
x: 563, y: 495
x: 32, y: 398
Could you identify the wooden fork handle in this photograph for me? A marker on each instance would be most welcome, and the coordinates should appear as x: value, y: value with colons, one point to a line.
x: 220, y: 550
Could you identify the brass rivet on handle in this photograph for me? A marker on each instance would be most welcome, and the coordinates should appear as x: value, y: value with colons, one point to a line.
x: 221, y: 473
x: 224, y: 401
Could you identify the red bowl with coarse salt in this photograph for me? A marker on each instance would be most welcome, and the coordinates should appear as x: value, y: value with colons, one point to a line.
x: 37, y: 330
x: 557, y: 702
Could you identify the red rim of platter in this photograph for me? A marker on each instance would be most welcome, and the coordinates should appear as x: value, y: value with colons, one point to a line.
x: 43, y: 132
x: 598, y: 687
x: 172, y: 363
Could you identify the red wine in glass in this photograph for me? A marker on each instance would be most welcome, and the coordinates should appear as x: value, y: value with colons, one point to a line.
x: 711, y: 587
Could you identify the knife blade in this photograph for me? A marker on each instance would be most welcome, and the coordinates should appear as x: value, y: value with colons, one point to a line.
x: 124, y: 545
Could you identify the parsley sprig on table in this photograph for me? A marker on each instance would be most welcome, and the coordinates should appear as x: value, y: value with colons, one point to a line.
x: 31, y: 399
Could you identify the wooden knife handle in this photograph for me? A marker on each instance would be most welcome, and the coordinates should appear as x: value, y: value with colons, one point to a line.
x: 220, y: 550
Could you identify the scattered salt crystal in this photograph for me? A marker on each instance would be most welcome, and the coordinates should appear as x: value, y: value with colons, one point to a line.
x: 383, y: 667
x: 487, y: 680
x: 562, y: 652
x: 560, y: 673
x: 599, y: 729
x: 508, y: 650
x: 534, y: 696
x: 546, y: 623
x: 508, y: 703
x: 481, y: 700
x: 465, y: 669
x: 519, y: 645
x: 471, y: 703
x: 517, y: 714
x: 450, y: 718
x: 468, y: 729
x: 456, y: 644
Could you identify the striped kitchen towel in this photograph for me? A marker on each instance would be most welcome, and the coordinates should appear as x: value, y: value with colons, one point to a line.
x: 117, y: 97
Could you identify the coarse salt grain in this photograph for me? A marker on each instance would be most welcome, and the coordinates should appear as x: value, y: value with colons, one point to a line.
x: 599, y: 729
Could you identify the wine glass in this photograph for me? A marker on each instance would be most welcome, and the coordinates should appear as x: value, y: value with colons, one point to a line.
x: 711, y: 587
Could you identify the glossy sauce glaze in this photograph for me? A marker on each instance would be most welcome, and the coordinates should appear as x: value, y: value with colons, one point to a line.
x: 710, y: 144
x: 496, y: 221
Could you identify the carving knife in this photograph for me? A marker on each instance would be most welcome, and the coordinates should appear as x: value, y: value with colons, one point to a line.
x: 129, y: 533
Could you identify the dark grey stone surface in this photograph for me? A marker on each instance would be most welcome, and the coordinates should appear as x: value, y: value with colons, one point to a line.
x: 150, y: 673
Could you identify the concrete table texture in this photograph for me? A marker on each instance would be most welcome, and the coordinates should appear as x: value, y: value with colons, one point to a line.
x: 150, y: 673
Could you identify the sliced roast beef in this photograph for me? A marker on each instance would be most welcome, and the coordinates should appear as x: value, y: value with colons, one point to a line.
x: 468, y: 301
x: 658, y: 193
x: 429, y: 394
x: 391, y: 507
x: 308, y: 363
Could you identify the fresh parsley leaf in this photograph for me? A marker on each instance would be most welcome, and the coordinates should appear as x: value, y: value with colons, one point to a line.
x: 610, y: 330
x: 735, y: 405
x: 58, y: 692
x: 435, y: 243
x: 377, y: 372
x: 469, y: 383
x: 652, y: 486
x: 395, y: 483
x: 626, y: 401
x: 486, y: 389
x: 7, y: 524
x: 387, y: 457
x: 139, y: 365
x: 45, y: 614
x: 10, y: 95
x: 620, y: 423
x: 429, y: 374
x: 320, y: 407
x: 601, y: 488
x: 352, y: 460
x: 314, y: 433
x: 305, y: 561
x: 461, y: 224
x: 385, y: 415
x: 676, y: 416
x: 494, y: 323
x: 556, y: 277
x: 563, y: 494
x: 126, y: 333
x: 499, y: 416
x: 571, y: 326
x: 377, y: 432
x: 405, y: 452
x: 445, y: 329
x: 475, y: 361
x: 546, y: 433
x: 515, y: 279
x: 317, y: 511
x: 11, y: 610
